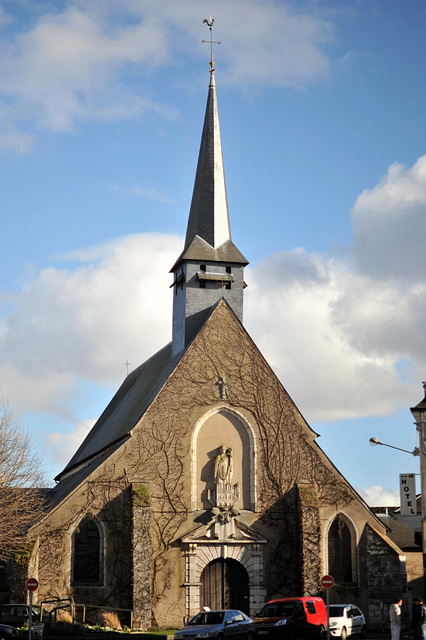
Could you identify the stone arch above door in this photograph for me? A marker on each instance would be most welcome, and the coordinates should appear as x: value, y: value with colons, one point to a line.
x: 199, y: 554
x: 223, y: 427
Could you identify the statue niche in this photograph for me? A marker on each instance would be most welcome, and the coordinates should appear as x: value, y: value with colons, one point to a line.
x: 221, y: 463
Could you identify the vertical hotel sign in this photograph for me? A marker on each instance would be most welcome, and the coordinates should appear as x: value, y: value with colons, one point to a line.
x: 407, y: 488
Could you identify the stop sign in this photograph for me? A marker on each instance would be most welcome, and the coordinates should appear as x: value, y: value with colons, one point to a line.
x: 31, y: 584
x: 327, y: 582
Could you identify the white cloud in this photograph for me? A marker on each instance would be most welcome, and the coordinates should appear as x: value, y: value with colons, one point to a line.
x: 389, y: 223
x: 150, y: 193
x: 92, y: 61
x: 66, y: 69
x: 60, y: 447
x: 347, y: 337
x: 82, y: 324
x: 271, y: 44
x: 17, y: 142
x: 290, y: 312
x: 378, y: 496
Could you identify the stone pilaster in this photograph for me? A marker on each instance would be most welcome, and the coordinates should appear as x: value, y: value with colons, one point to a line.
x: 310, y: 540
x: 141, y: 548
x: 192, y: 581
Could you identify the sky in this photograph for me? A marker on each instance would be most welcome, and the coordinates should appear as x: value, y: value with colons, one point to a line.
x: 321, y: 106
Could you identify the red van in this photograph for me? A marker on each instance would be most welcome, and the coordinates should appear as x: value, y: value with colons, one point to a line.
x: 292, y: 618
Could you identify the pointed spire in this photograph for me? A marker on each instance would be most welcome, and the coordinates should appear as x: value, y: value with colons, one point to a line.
x: 208, y: 217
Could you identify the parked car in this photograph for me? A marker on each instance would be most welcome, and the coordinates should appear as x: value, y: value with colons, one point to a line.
x: 18, y: 614
x: 220, y: 625
x: 292, y: 618
x: 7, y: 632
x: 346, y: 620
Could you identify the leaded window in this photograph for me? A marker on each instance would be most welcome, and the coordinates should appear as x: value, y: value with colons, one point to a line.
x: 87, y: 553
x: 340, y: 551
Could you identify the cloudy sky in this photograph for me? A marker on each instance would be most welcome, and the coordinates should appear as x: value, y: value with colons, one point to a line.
x: 323, y: 129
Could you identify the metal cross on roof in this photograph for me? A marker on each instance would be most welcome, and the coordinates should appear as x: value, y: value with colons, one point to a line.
x: 210, y: 22
x: 127, y: 365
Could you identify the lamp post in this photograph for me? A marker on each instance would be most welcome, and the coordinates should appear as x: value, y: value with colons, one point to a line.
x: 374, y: 441
x: 419, y: 414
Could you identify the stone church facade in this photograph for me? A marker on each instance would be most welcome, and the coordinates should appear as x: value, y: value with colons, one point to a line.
x: 201, y: 484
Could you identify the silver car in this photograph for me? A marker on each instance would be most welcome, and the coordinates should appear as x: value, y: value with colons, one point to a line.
x: 346, y: 620
x: 228, y: 624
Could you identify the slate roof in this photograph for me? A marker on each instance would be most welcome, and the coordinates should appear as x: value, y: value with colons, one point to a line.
x: 125, y: 409
x: 422, y: 405
x: 400, y: 534
x: 199, y: 250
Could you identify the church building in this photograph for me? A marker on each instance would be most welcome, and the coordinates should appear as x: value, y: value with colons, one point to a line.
x: 201, y: 484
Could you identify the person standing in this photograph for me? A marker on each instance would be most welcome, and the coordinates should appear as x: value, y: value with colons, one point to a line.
x: 419, y: 619
x: 395, y: 618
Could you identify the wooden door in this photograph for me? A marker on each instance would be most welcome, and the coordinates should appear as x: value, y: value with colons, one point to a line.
x: 225, y: 585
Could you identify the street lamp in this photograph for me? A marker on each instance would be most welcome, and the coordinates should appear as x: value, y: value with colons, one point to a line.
x: 375, y: 441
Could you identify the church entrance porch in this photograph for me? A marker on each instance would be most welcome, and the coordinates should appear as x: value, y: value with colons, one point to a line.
x: 225, y: 585
x: 223, y: 574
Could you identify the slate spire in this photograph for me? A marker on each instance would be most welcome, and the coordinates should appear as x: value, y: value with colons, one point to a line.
x: 208, y: 216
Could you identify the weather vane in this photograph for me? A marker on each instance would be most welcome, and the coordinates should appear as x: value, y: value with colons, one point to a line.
x: 210, y: 22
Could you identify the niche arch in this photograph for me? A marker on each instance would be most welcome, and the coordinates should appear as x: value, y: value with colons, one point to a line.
x: 217, y: 427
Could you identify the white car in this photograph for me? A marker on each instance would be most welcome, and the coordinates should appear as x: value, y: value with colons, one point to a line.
x: 346, y: 620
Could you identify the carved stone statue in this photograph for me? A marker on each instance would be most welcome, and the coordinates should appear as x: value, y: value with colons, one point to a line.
x: 225, y: 495
x: 223, y: 466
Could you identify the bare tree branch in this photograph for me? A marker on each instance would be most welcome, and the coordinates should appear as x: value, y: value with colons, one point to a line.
x: 21, y: 500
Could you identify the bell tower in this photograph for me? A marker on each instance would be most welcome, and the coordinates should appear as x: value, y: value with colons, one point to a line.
x: 210, y: 266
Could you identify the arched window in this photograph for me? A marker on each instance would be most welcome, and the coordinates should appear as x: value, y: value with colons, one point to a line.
x: 340, y: 551
x: 87, y: 556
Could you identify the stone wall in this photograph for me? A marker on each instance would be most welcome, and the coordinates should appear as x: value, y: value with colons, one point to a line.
x: 386, y: 573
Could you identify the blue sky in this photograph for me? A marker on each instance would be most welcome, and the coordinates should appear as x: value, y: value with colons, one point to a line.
x: 323, y: 130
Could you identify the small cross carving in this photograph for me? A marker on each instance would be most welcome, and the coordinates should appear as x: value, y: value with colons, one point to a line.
x: 221, y: 386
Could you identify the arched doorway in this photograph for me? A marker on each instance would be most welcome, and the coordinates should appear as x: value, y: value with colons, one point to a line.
x: 225, y: 585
